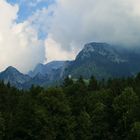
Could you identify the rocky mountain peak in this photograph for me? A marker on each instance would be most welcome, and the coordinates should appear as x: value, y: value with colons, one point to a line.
x: 92, y: 50
x: 11, y: 69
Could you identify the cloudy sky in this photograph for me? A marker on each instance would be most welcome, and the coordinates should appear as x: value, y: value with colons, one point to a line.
x: 39, y: 31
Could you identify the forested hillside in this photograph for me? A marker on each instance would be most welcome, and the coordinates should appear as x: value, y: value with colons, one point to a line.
x: 98, y: 110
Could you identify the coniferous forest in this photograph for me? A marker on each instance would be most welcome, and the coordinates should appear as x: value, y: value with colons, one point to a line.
x: 76, y: 110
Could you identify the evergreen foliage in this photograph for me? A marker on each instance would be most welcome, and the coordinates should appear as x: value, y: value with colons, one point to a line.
x: 105, y: 110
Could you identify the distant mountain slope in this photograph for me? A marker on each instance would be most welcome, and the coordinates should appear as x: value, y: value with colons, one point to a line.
x: 46, y: 74
x: 43, y: 75
x: 104, y: 61
x: 99, y: 59
x: 46, y: 69
x: 13, y: 76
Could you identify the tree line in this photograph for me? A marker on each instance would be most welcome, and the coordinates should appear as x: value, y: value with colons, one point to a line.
x: 75, y: 110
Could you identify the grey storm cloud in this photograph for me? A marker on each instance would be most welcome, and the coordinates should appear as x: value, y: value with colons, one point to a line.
x: 76, y: 22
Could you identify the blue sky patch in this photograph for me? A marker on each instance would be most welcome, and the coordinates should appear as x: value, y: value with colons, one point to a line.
x: 28, y: 7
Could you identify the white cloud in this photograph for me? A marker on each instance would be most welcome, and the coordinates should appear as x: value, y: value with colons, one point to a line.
x: 69, y: 24
x: 41, y: 19
x: 76, y: 22
x: 55, y: 52
x: 19, y: 43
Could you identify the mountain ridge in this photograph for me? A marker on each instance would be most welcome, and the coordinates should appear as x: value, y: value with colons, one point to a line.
x: 99, y: 59
x: 13, y: 76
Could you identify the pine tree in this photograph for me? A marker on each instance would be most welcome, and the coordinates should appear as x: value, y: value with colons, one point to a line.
x: 93, y: 84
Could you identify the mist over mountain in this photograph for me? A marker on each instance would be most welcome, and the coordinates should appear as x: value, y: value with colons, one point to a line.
x: 46, y: 69
x: 99, y: 59
x: 103, y: 61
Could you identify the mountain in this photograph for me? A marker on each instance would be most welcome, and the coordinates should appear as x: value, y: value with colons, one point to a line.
x: 99, y: 59
x: 47, y: 69
x: 43, y: 75
x: 46, y: 74
x: 13, y: 76
x: 38, y: 80
x: 103, y: 61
